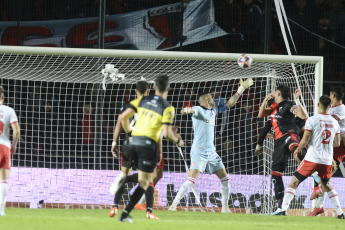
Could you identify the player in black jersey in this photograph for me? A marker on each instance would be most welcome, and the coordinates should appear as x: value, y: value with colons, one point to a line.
x: 282, y: 113
x: 142, y: 89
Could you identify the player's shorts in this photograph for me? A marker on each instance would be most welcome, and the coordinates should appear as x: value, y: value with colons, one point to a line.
x: 126, y: 157
x: 306, y: 168
x: 5, y: 157
x: 339, y: 153
x: 144, y: 153
x: 282, y: 153
x: 161, y: 165
x: 209, y: 161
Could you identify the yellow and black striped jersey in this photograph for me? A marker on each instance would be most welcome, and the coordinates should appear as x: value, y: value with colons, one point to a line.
x: 153, y: 111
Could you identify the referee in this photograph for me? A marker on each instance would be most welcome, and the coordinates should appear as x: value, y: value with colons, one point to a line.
x: 154, y: 115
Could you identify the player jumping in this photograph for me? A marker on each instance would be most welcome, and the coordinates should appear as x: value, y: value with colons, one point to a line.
x: 282, y: 114
x: 337, y: 111
x: 203, y: 154
x: 322, y: 132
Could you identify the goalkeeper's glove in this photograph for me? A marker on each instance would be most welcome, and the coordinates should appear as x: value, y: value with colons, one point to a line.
x: 245, y: 85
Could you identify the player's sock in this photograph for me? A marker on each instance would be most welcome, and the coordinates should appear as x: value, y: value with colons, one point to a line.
x: 278, y: 188
x: 3, y: 195
x: 149, y: 197
x: 333, y: 195
x: 142, y: 200
x: 118, y: 195
x: 289, y: 195
x: 184, y: 189
x: 132, y: 178
x: 133, y: 200
x: 225, y: 192
x: 320, y: 200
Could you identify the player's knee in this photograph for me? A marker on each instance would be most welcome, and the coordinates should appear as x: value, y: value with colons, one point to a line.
x: 144, y: 183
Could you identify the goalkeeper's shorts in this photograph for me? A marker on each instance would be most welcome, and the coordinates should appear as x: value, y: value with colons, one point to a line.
x: 206, y: 161
x: 5, y: 157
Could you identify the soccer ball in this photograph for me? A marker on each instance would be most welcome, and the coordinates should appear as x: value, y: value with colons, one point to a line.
x: 245, y: 61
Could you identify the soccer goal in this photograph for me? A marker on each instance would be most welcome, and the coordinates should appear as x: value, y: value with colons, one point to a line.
x: 67, y: 114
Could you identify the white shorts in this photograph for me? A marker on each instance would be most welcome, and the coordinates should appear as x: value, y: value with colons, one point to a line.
x: 209, y: 161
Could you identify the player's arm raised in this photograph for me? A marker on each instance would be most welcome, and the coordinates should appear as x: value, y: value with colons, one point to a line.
x: 16, y: 134
x: 124, y: 117
x: 303, y: 143
x: 244, y: 85
x: 264, y: 110
x: 336, y: 141
x: 300, y: 112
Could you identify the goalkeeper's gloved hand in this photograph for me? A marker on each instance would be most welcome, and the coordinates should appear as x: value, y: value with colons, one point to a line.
x: 245, y: 85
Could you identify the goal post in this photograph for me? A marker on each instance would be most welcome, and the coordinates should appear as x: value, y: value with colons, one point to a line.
x: 62, y: 108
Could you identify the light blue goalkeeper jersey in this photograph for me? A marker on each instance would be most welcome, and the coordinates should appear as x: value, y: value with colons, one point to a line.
x: 203, y: 124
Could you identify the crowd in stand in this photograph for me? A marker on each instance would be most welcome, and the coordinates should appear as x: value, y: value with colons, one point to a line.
x: 54, y: 127
x: 317, y: 26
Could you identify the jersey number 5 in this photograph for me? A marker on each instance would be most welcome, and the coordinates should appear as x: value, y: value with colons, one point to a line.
x: 326, y: 134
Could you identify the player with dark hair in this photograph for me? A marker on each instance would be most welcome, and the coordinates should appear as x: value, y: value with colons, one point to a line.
x: 155, y: 115
x: 8, y: 118
x: 322, y: 132
x: 117, y: 188
x: 282, y: 114
x: 337, y: 111
x: 203, y: 152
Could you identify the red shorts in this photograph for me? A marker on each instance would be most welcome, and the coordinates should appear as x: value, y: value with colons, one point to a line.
x: 5, y: 157
x: 161, y: 165
x: 306, y: 168
x: 339, y: 153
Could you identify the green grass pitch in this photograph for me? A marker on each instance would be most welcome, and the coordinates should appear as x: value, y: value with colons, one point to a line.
x: 79, y: 219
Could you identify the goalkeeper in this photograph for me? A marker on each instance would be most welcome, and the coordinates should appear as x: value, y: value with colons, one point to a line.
x: 203, y: 154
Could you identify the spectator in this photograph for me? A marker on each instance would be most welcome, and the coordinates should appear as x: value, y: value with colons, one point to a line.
x: 336, y: 19
x: 251, y: 24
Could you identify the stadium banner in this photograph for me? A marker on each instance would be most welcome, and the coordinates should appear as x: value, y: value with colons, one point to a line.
x: 150, y: 29
x: 78, y: 186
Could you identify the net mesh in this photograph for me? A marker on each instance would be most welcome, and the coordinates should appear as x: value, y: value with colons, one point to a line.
x: 67, y: 122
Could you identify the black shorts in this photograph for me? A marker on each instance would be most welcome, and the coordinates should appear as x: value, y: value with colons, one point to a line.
x: 282, y: 153
x: 126, y: 157
x: 144, y: 153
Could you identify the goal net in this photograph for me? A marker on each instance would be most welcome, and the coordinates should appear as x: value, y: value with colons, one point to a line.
x: 67, y: 121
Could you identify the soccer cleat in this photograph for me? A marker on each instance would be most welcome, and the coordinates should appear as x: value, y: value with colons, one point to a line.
x: 113, y: 212
x: 317, y: 191
x: 141, y: 207
x: 2, y: 214
x: 279, y: 212
x: 317, y: 211
x: 126, y: 219
x: 119, y: 180
x: 342, y: 216
x: 150, y: 215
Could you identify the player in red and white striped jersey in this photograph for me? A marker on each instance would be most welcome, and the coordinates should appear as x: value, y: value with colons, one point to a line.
x: 7, y: 118
x: 321, y: 133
